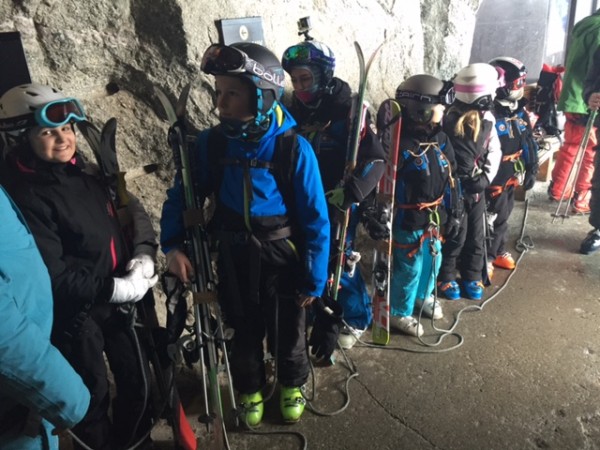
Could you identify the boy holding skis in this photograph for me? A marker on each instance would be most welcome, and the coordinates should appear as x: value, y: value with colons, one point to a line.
x: 470, y: 125
x: 272, y: 229
x: 519, y: 165
x: 424, y: 176
x: 321, y: 105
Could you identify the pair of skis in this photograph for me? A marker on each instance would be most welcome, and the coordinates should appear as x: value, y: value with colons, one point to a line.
x: 208, y: 338
x: 388, y: 124
x: 357, y: 118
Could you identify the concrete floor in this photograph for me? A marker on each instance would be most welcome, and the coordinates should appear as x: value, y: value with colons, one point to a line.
x: 527, y: 375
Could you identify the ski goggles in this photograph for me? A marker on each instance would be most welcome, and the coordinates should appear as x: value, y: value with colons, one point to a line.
x: 516, y: 84
x: 304, y: 54
x: 445, y: 97
x: 59, y: 112
x: 224, y: 60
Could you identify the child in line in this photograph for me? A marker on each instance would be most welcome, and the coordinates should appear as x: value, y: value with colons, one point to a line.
x: 272, y: 247
x: 321, y: 105
x: 471, y: 127
x: 519, y: 165
x: 425, y: 165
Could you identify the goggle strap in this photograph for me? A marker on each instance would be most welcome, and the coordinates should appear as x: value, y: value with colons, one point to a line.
x: 17, y: 123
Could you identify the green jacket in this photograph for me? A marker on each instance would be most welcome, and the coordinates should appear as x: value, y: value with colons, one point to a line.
x: 585, y: 39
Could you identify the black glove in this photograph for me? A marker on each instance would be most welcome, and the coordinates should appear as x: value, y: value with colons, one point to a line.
x: 326, y: 329
x: 476, y: 185
x: 376, y: 222
x: 452, y: 227
x: 530, y: 176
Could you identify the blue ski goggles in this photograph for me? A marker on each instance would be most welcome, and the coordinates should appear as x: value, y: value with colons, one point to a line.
x: 224, y: 60
x: 59, y: 112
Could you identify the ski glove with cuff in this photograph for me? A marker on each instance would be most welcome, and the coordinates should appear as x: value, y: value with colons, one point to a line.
x: 452, y: 227
x: 375, y: 221
x: 146, y: 262
x: 132, y: 287
x: 326, y: 328
x: 337, y: 197
x: 476, y: 185
x: 530, y: 177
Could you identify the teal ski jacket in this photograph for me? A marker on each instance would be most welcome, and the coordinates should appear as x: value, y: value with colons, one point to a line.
x: 34, y: 376
x: 265, y: 203
x: 585, y: 39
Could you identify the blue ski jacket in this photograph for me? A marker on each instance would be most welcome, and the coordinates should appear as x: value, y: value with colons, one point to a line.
x: 34, y: 376
x: 265, y: 201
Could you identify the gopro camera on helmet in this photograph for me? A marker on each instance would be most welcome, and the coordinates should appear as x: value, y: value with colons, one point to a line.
x: 304, y: 27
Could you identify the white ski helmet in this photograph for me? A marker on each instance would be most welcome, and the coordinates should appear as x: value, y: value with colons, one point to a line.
x: 18, y: 105
x: 476, y: 85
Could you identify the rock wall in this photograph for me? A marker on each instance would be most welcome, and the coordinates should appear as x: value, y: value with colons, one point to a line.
x: 84, y: 47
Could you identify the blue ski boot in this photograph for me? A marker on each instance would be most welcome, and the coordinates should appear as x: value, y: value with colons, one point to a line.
x: 449, y: 289
x: 473, y: 289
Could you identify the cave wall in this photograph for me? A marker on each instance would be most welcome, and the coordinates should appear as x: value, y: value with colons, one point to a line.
x: 82, y: 47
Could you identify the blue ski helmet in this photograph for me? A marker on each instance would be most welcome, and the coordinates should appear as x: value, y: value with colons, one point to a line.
x: 254, y: 63
x: 312, y: 55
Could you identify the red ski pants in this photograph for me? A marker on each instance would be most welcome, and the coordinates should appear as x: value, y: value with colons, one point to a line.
x: 566, y: 157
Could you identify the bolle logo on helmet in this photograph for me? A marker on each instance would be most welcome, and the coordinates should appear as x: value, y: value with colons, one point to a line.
x: 267, y: 75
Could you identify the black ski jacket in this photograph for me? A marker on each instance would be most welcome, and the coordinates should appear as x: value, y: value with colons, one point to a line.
x: 425, y: 163
x: 76, y: 229
x: 592, y: 78
x: 477, y: 162
x: 326, y: 126
x: 515, y: 134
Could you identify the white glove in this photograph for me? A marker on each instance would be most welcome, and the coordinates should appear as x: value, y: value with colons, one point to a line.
x: 145, y: 262
x: 132, y: 287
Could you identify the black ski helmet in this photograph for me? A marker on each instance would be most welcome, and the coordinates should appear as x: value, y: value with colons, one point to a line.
x: 419, y: 94
x: 312, y: 55
x: 254, y: 63
x: 514, y: 76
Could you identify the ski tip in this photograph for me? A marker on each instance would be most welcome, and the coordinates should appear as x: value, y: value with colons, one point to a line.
x: 358, y: 48
x: 182, y: 100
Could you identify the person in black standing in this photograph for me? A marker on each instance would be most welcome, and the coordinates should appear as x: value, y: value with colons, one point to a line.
x: 95, y: 280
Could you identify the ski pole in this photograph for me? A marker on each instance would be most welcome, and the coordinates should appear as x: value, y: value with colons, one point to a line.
x: 575, y: 169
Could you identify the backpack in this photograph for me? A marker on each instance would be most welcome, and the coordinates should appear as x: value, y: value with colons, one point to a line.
x: 282, y: 166
x: 546, y: 96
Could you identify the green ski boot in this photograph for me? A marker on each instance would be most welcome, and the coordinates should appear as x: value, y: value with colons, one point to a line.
x: 292, y: 404
x: 252, y: 408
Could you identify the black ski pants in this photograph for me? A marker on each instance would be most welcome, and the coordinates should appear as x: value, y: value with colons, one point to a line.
x: 258, y: 292
x: 106, y: 331
x: 502, y: 205
x: 465, y: 251
x: 595, y: 200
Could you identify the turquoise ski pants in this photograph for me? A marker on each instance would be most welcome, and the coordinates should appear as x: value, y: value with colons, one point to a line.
x: 412, y: 275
